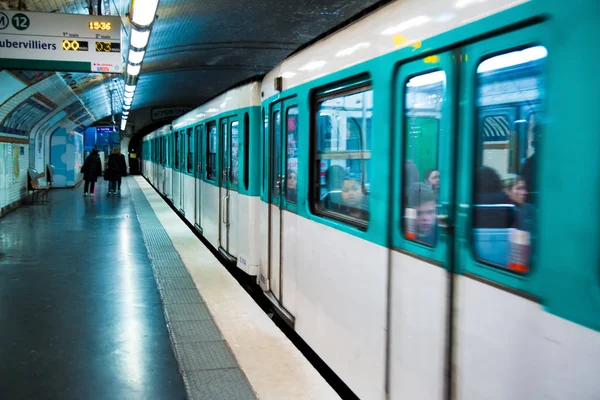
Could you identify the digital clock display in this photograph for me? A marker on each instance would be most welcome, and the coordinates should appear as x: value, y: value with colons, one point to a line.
x: 100, y: 26
x: 108, y: 47
x: 74, y: 45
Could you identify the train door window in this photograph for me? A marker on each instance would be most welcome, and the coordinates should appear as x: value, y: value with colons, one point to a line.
x: 342, y: 155
x: 190, y: 152
x: 198, y: 148
x: 265, y: 128
x: 504, y: 183
x: 424, y: 96
x: 211, y: 152
x: 234, y: 153
x: 291, y: 179
x: 176, y: 146
x: 246, y: 149
x: 276, y: 153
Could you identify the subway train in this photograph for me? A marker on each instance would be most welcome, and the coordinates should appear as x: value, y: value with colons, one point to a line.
x: 417, y: 194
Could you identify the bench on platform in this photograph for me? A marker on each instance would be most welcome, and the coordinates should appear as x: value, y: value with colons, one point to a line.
x: 40, y: 192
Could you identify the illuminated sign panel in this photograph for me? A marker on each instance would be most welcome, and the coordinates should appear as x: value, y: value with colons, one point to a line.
x: 86, y: 42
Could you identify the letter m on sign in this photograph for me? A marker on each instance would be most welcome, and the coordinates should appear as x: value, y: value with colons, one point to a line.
x: 3, y: 21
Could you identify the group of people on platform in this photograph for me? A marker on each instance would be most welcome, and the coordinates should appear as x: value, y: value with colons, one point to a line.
x: 116, y: 169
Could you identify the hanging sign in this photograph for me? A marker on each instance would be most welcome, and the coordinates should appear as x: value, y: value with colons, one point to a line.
x: 69, y: 42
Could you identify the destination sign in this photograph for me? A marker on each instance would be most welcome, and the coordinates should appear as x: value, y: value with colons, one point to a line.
x: 77, y: 42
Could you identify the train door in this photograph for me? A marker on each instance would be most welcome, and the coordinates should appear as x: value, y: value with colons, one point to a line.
x: 496, y: 208
x: 185, y: 139
x: 464, y: 222
x: 421, y: 248
x: 224, y: 197
x: 176, y: 168
x: 169, y: 166
x: 198, y: 177
x: 283, y: 164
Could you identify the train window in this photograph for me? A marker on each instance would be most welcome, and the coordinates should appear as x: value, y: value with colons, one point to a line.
x: 190, y: 152
x: 424, y: 96
x: 198, y: 148
x: 276, y: 154
x: 176, y: 146
x: 504, y: 203
x: 343, y: 155
x: 265, y: 127
x: 246, y: 149
x: 292, y: 154
x: 235, y: 143
x: 211, y: 152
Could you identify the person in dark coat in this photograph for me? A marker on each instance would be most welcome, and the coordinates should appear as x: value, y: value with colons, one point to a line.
x: 92, y: 169
x: 122, y: 169
x: 113, y: 171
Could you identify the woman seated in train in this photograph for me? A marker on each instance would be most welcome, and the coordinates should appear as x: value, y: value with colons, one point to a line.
x: 432, y: 178
x: 492, y: 206
x: 515, y: 188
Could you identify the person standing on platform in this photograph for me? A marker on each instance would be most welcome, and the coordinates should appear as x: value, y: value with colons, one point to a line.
x: 113, y: 171
x: 122, y: 169
x: 92, y: 169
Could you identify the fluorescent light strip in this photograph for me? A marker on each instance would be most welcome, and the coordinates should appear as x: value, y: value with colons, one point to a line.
x: 133, y: 70
x: 143, y: 11
x: 136, y: 57
x: 139, y: 39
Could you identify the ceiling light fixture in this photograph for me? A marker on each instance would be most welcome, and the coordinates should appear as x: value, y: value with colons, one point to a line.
x: 133, y: 70
x: 143, y: 12
x: 136, y: 57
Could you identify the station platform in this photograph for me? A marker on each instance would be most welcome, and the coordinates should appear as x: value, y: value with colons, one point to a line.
x: 113, y: 297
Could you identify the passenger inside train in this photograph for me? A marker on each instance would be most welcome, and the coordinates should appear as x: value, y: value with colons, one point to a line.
x: 421, y: 198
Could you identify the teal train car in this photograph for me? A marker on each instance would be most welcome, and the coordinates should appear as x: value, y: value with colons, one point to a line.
x: 422, y: 198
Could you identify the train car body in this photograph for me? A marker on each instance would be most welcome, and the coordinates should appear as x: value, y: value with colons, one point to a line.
x: 212, y: 180
x: 424, y: 199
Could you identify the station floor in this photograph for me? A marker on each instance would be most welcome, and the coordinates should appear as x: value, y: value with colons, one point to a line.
x: 113, y: 297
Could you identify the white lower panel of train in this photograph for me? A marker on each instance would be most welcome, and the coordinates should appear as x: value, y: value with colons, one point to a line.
x: 335, y: 285
x: 418, y: 328
x: 508, y: 347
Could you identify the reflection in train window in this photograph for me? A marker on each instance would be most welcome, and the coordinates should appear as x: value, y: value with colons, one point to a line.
x: 177, y: 151
x: 343, y: 155
x: 510, y: 94
x: 423, y: 112
x: 276, y: 155
x: 190, y: 152
x: 246, y: 150
x: 198, y: 148
x: 234, y: 154
x: 291, y: 174
x: 211, y: 152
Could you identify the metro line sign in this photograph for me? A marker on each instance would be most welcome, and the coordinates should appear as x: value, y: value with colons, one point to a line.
x: 67, y: 42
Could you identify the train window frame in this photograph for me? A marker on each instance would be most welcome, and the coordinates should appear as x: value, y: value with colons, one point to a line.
x: 190, y: 150
x: 246, y: 150
x: 404, y: 120
x: 198, y: 130
x: 264, y: 139
x: 336, y: 90
x: 289, y: 199
x: 477, y: 148
x: 234, y: 185
x: 208, y: 152
x: 176, y: 143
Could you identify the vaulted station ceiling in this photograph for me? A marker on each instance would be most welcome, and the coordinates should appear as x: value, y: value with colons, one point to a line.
x: 197, y: 49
